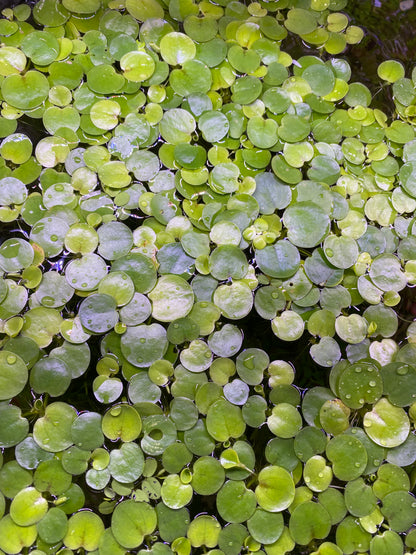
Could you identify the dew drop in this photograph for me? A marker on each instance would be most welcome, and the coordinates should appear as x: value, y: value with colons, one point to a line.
x: 321, y: 475
x: 329, y: 252
x: 358, y: 369
x: 275, y: 295
x: 54, y: 238
x: 402, y: 371
x: 357, y: 464
x: 11, y: 359
x: 372, y: 383
x: 142, y: 340
x: 376, y: 462
x: 348, y: 396
x: 361, y: 401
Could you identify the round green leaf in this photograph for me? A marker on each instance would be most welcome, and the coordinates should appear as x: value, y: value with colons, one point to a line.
x: 131, y: 521
x: 224, y: 421
x: 359, y: 384
x: 172, y: 298
x: 13, y: 375
x: 348, y: 457
x: 121, y: 422
x: 28, y: 507
x: 309, y: 520
x: 276, y: 490
x: 235, y: 503
x: 175, y: 494
x: 307, y: 224
x: 25, y: 92
x: 142, y: 345
x: 386, y: 424
x: 52, y: 432
x: 85, y: 529
x: 13, y: 538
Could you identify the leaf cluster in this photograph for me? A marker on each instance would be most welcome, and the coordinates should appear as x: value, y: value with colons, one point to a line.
x: 191, y: 173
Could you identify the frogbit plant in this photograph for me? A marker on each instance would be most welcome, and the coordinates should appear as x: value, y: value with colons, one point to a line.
x: 168, y: 171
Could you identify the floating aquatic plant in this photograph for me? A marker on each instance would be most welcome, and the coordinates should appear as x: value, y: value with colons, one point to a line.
x: 185, y: 172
